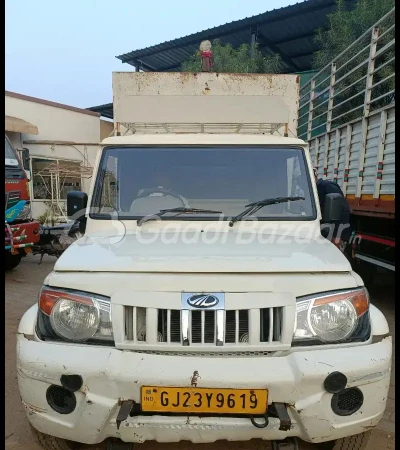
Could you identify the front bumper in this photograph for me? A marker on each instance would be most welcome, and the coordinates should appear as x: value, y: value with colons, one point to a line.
x: 30, y: 229
x: 111, y: 376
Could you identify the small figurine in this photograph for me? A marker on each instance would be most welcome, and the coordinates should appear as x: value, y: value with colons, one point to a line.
x: 206, y: 53
x: 195, y: 378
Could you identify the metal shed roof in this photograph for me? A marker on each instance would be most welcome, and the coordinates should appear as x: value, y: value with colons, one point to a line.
x: 105, y: 110
x: 288, y: 31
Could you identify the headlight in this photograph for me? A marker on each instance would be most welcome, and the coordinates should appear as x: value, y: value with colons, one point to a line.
x: 74, y: 316
x: 332, y: 317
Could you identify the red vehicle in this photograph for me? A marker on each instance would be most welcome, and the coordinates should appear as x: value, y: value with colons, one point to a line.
x: 21, y: 232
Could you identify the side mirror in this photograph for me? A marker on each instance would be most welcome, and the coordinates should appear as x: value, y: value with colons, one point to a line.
x: 76, y: 205
x: 25, y: 158
x: 332, y: 208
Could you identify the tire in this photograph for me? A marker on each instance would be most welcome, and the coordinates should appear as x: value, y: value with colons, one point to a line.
x: 367, y: 272
x: 116, y: 444
x: 356, y: 442
x: 48, y: 442
x: 12, y: 261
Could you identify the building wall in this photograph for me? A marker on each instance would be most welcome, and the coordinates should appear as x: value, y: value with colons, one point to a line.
x: 55, y: 123
x: 80, y: 134
x: 106, y: 128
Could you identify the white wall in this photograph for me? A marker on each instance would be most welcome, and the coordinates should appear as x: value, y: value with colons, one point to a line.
x: 106, y: 128
x: 55, y: 124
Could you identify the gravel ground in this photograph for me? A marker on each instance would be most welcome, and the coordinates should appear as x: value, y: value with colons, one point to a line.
x: 22, y: 286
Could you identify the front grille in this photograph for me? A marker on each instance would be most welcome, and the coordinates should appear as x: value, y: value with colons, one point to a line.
x: 14, y: 195
x: 11, y: 198
x: 202, y: 329
x: 270, y: 324
x: 229, y: 354
x: 237, y: 326
x: 167, y: 326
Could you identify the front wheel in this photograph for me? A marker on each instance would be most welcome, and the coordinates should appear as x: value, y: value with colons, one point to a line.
x: 356, y: 442
x: 12, y: 261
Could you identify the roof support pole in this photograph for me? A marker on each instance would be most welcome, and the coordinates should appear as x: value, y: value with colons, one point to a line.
x: 331, y: 97
x: 253, y: 42
x: 367, y: 100
x: 370, y: 71
x: 311, y: 111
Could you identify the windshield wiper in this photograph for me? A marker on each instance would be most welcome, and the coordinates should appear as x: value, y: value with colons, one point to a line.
x: 255, y: 206
x: 180, y: 210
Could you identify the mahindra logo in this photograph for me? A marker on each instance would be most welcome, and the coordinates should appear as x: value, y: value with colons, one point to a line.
x: 203, y: 301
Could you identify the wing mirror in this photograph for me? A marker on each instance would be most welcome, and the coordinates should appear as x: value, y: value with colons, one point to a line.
x: 76, y: 205
x: 76, y: 208
x: 25, y: 156
x: 332, y: 208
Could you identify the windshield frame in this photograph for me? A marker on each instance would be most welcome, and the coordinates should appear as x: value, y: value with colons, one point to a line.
x: 14, y: 152
x: 97, y: 189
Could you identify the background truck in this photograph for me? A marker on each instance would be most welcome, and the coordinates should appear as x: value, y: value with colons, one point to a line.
x: 21, y: 232
x: 347, y: 115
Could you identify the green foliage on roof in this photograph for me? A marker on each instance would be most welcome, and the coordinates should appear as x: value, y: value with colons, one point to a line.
x: 245, y: 59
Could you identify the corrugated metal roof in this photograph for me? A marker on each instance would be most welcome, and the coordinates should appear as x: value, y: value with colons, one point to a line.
x: 105, y: 110
x: 288, y: 31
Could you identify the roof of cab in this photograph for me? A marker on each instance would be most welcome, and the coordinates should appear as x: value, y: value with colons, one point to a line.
x: 201, y: 139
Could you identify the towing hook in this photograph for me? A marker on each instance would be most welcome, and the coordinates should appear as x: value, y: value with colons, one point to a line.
x: 264, y: 424
x: 278, y: 410
x: 126, y: 408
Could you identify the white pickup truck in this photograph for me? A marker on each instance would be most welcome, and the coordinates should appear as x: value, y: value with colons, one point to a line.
x: 202, y: 302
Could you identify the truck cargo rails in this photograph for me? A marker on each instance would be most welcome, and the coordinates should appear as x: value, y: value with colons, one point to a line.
x: 347, y: 115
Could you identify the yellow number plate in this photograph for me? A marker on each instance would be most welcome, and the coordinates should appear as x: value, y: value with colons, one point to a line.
x: 204, y: 400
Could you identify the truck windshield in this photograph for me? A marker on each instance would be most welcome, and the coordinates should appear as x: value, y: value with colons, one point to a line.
x: 11, y: 157
x: 137, y: 182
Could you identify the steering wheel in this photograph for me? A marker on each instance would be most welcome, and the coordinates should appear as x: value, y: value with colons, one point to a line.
x: 160, y: 190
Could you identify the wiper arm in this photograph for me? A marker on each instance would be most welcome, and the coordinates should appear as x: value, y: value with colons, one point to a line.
x: 255, y: 206
x: 180, y: 210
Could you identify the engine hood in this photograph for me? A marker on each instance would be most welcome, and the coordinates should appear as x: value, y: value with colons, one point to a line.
x: 224, y: 254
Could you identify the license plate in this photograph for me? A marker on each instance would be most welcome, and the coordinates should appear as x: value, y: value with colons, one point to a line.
x: 204, y: 400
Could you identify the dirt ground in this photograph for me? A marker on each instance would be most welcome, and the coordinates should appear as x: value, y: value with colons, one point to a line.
x: 22, y: 286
